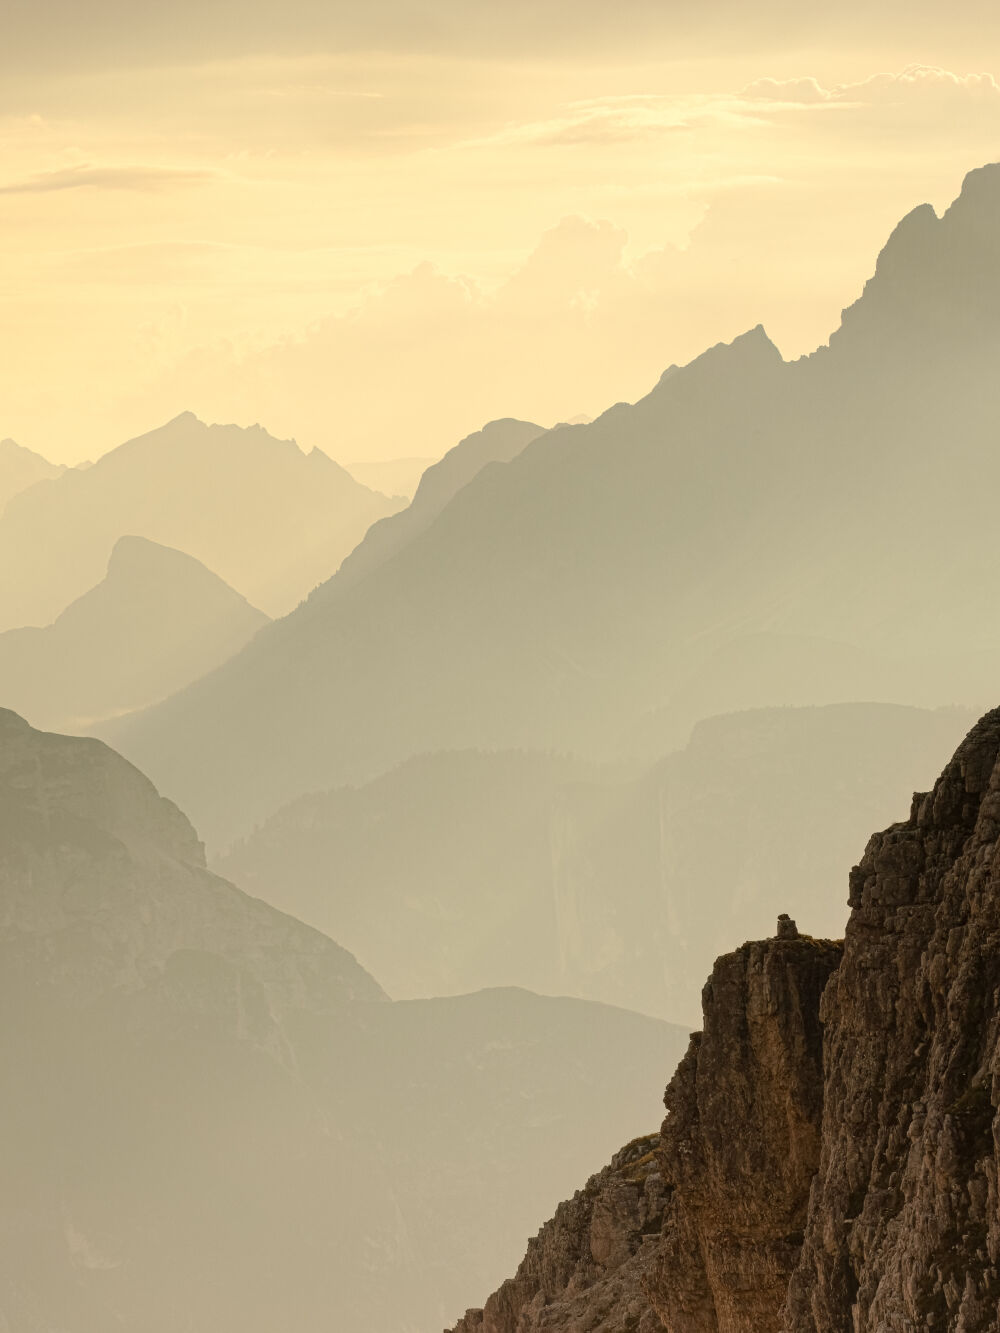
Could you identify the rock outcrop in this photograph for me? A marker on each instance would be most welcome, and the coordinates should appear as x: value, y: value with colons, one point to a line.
x: 699, y: 1229
x: 829, y: 1162
x: 904, y: 1222
x: 585, y: 1269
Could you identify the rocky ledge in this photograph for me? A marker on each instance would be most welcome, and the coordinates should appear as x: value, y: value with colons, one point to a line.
x: 829, y: 1159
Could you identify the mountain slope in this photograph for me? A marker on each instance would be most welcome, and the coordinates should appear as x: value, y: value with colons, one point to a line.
x: 497, y: 442
x: 21, y: 468
x: 467, y: 868
x: 157, y: 620
x: 558, y: 600
x: 391, y: 476
x: 270, y: 520
x: 222, y: 1124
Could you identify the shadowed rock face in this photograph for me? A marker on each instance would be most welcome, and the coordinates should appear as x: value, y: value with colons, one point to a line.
x: 698, y: 1229
x: 904, y: 1224
x: 741, y: 1140
x: 586, y: 1268
x: 829, y: 1160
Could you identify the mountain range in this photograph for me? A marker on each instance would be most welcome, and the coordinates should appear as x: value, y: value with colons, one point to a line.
x: 156, y: 621
x: 799, y: 515
x: 219, y: 1121
x: 268, y: 519
x: 459, y: 869
x: 21, y: 468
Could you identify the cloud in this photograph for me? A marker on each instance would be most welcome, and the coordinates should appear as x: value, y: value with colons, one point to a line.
x: 86, y: 176
x: 915, y: 81
x: 806, y: 90
x: 611, y: 121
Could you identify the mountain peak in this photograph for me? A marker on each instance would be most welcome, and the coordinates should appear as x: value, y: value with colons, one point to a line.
x: 936, y: 276
x: 980, y: 191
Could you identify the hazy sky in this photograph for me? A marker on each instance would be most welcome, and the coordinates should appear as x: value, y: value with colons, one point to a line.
x: 375, y: 227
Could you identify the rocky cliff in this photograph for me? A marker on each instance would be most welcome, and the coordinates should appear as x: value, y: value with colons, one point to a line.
x: 673, y: 1233
x: 904, y: 1220
x: 829, y: 1157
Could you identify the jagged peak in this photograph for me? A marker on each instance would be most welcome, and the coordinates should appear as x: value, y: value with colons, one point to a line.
x: 980, y: 190
x: 933, y: 271
x: 749, y: 353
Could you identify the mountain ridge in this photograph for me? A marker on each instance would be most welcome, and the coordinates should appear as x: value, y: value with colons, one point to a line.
x: 157, y: 620
x: 555, y: 601
x: 268, y: 518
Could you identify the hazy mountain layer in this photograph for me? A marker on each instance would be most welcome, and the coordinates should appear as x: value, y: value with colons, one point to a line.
x: 458, y: 869
x: 157, y: 620
x: 220, y: 1123
x: 268, y: 519
x: 829, y: 1157
x: 604, y: 574
x: 21, y: 468
x: 497, y: 442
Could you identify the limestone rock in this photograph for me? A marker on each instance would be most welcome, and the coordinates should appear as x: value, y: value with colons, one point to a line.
x: 697, y: 1229
x: 904, y: 1224
x: 584, y: 1270
x: 829, y: 1161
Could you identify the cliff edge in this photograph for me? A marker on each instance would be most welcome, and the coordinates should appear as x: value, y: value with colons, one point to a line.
x: 829, y: 1159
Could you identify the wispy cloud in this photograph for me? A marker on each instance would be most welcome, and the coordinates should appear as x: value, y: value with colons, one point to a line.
x: 84, y: 176
x: 915, y: 81
x: 608, y: 120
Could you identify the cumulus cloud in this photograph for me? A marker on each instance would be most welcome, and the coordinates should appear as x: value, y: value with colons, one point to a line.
x: 85, y: 176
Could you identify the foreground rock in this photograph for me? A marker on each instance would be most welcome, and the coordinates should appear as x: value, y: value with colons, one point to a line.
x: 829, y: 1159
x: 698, y: 1229
x: 904, y: 1225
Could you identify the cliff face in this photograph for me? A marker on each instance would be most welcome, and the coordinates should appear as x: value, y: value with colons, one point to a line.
x: 904, y: 1223
x: 697, y: 1229
x: 585, y: 1269
x: 829, y: 1158
x: 741, y: 1141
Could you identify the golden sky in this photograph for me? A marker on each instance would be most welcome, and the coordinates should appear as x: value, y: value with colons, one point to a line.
x: 376, y: 228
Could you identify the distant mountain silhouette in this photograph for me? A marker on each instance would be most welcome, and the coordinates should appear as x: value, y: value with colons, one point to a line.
x: 391, y: 476
x: 157, y: 620
x: 21, y: 468
x: 221, y: 1123
x: 497, y: 442
x: 458, y: 869
x: 557, y: 601
x: 270, y: 520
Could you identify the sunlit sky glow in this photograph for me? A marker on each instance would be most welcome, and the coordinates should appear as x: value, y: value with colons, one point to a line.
x: 376, y: 250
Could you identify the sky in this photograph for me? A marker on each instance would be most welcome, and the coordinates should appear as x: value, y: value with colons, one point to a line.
x: 374, y: 228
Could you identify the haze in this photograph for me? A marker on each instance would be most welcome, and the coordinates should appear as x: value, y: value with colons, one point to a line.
x: 375, y: 231
x: 497, y: 510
